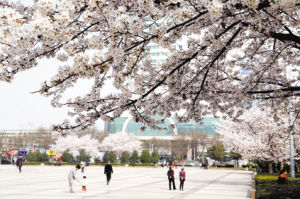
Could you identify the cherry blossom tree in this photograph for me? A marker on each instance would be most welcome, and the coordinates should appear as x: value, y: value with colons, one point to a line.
x: 74, y: 144
x: 258, y: 135
x: 120, y: 142
x: 108, y: 40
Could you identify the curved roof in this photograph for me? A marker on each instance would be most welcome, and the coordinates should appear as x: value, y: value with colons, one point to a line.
x: 208, y: 126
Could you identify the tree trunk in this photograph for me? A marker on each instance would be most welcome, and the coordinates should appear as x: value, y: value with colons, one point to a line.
x: 270, y: 167
x: 281, y: 166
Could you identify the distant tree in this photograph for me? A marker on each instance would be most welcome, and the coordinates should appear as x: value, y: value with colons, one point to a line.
x: 83, y: 156
x: 134, y: 157
x: 216, y: 152
x: 155, y: 156
x: 67, y: 156
x: 37, y: 157
x: 196, y: 138
x: 145, y: 157
x: 235, y: 156
x: 44, y: 157
x: 73, y: 143
x: 125, y: 156
x: 180, y: 146
x: 94, y: 133
x: 157, y: 143
x: 31, y: 157
x: 120, y: 142
x: 44, y: 138
x: 111, y: 157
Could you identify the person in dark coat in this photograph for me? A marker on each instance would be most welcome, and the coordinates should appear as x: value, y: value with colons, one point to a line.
x: 19, y: 164
x: 171, y: 178
x: 108, y: 171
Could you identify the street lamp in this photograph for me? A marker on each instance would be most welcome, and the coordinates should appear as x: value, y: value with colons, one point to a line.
x: 292, y: 149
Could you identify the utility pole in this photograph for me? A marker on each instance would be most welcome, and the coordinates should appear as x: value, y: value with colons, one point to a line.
x: 292, y: 149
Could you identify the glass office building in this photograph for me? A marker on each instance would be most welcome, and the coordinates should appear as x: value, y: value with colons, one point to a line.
x: 129, y: 126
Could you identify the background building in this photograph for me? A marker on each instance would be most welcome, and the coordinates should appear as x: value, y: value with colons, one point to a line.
x: 127, y: 125
x: 168, y: 141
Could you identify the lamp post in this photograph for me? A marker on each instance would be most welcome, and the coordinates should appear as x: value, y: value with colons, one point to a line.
x: 292, y: 150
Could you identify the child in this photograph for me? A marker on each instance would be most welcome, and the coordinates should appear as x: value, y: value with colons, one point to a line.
x: 84, y: 183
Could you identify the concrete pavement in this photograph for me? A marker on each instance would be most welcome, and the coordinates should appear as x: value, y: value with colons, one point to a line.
x: 49, y: 182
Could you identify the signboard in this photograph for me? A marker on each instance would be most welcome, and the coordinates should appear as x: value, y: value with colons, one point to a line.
x: 22, y: 153
x: 52, y: 153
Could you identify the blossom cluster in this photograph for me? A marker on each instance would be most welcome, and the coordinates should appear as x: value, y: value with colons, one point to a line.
x: 74, y: 144
x: 259, y: 135
x: 120, y: 142
x: 107, y: 40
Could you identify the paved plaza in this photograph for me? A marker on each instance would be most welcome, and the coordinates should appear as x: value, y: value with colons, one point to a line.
x: 43, y: 182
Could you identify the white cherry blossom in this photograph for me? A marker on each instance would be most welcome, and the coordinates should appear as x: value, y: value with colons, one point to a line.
x: 107, y: 41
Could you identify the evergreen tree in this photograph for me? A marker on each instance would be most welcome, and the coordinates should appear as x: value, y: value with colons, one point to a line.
x: 111, y: 157
x: 125, y: 157
x: 67, y: 156
x: 155, y: 156
x: 134, y: 157
x: 145, y: 157
x: 83, y: 156
x: 216, y: 152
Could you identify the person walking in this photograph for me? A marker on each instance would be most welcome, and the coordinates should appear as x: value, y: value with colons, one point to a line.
x: 73, y: 176
x: 181, y: 179
x: 108, y: 171
x: 171, y: 178
x: 19, y: 164
x: 83, y: 165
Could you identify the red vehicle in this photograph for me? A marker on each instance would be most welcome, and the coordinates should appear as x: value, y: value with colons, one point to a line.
x: 57, y: 160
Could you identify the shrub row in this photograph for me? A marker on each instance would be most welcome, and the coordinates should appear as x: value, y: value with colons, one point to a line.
x: 75, y: 163
x: 225, y: 165
x: 249, y: 165
x: 50, y: 163
x: 273, y: 191
x: 267, y: 187
x: 272, y: 179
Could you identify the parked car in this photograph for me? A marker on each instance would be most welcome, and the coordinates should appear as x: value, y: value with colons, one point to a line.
x: 4, y: 161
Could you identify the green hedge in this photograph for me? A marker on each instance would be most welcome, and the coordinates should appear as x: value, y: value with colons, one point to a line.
x: 272, y: 179
x: 102, y: 163
x: 249, y: 165
x: 32, y: 163
x: 75, y: 163
x: 267, y: 187
x: 225, y: 165
x: 50, y: 163
x: 142, y: 164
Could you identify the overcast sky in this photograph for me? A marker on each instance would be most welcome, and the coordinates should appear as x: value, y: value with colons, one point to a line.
x: 19, y: 109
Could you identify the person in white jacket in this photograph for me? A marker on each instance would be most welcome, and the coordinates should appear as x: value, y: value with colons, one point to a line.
x: 73, y: 176
x: 84, y: 183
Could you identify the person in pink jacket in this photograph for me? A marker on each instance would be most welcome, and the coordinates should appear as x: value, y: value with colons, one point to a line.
x: 181, y: 178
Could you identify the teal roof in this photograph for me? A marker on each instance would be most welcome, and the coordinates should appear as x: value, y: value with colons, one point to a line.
x: 208, y: 126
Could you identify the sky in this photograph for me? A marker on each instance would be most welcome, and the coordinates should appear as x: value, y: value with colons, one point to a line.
x: 21, y: 110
